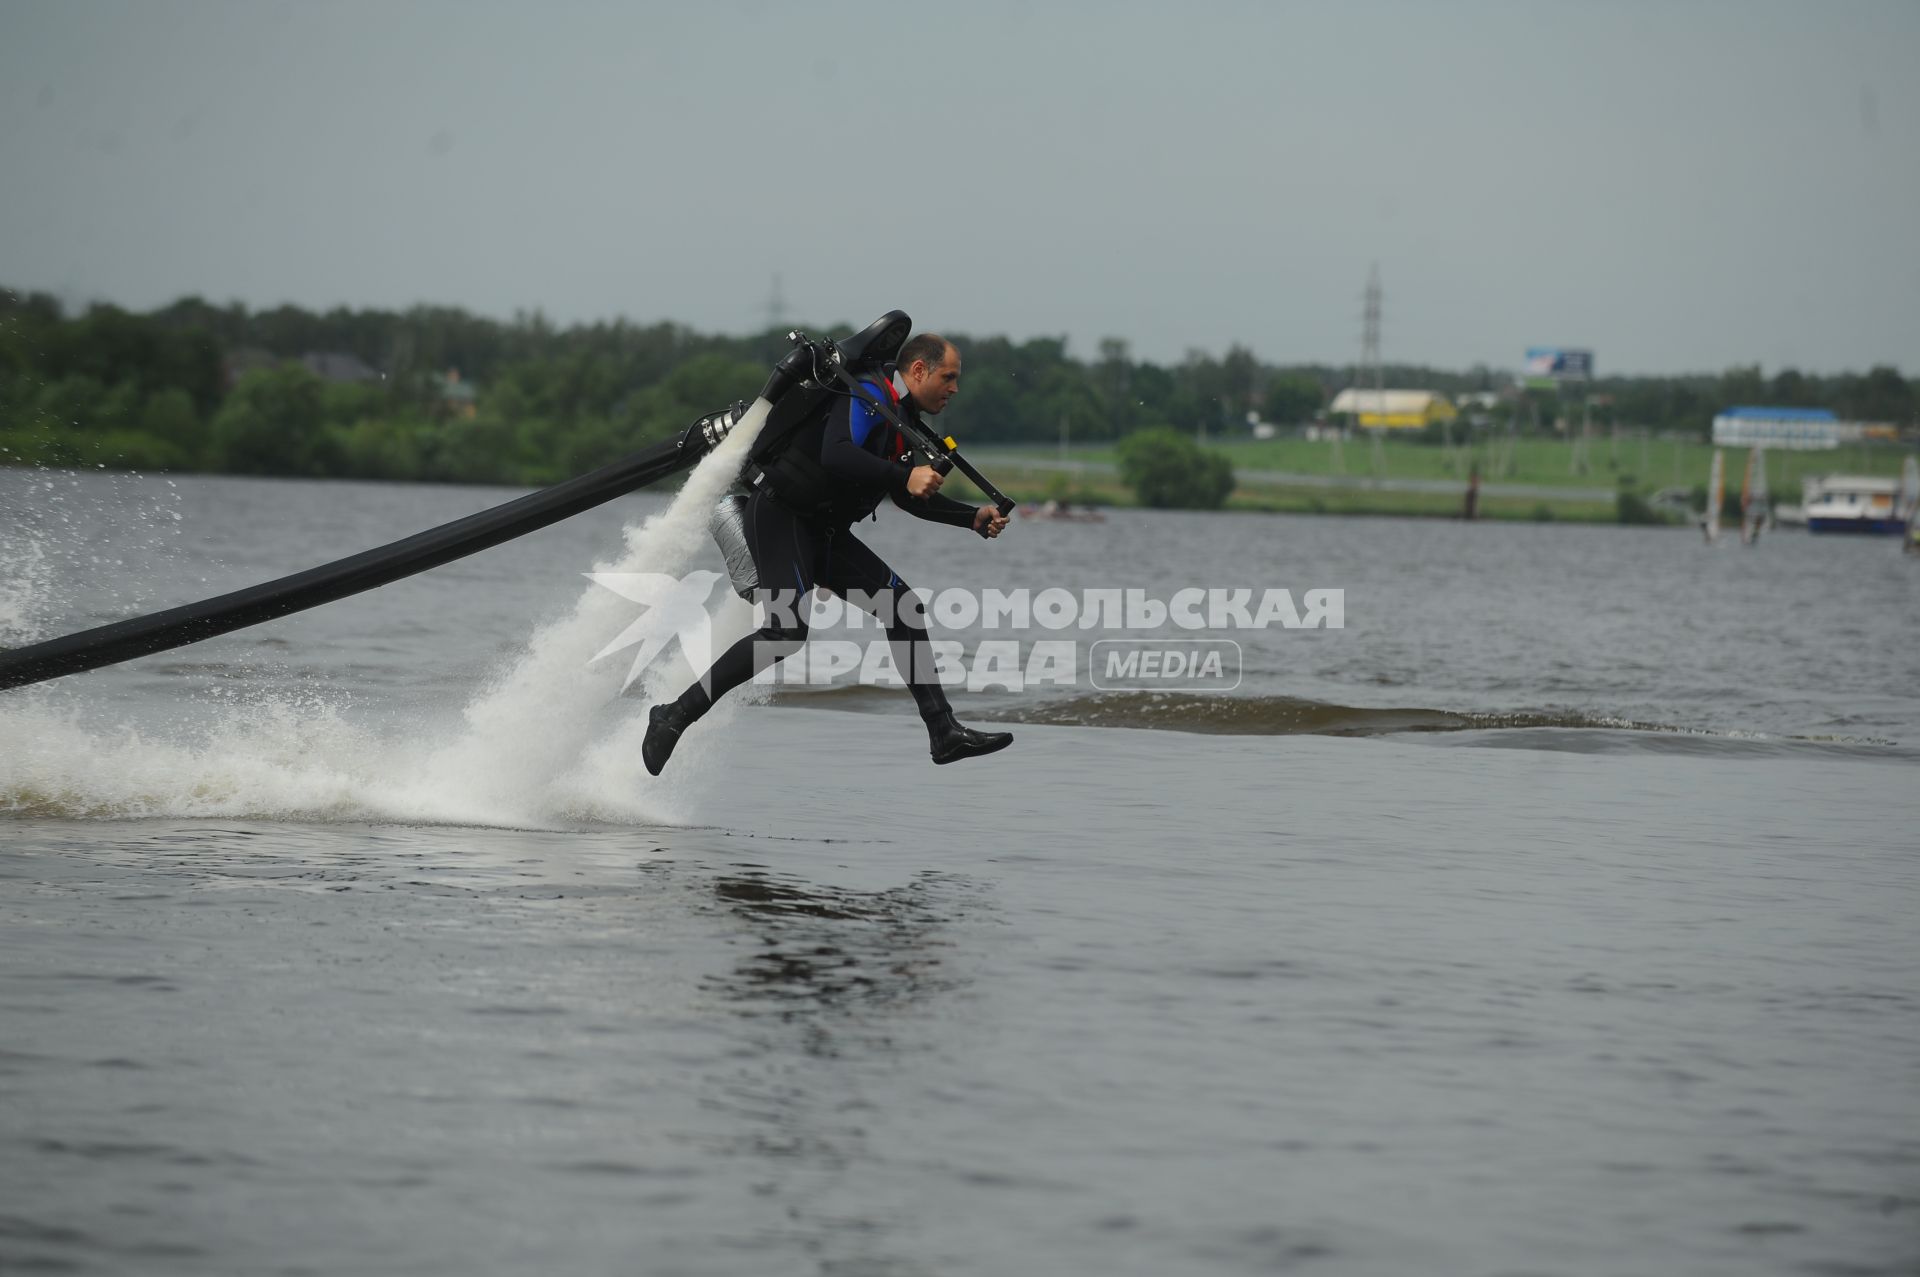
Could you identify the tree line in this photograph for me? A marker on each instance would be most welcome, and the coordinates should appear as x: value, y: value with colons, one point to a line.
x: 195, y: 386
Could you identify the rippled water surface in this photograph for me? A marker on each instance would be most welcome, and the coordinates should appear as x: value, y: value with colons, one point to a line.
x: 1555, y: 916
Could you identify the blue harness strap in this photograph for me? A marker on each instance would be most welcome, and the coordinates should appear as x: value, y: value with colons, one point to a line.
x: 862, y: 418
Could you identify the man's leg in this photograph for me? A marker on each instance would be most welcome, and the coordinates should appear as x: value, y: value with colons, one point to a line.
x: 857, y: 573
x: 785, y: 552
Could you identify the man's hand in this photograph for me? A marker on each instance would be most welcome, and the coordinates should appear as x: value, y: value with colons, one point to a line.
x: 924, y: 481
x: 989, y: 522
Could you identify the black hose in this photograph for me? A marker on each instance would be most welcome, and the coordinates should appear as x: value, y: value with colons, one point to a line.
x: 176, y: 627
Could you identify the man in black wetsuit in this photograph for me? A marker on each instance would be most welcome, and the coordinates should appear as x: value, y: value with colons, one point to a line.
x: 832, y: 473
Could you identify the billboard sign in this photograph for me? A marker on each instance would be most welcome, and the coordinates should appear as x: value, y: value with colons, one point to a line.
x: 1548, y: 366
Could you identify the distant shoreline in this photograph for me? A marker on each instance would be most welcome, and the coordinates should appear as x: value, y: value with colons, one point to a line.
x: 1523, y: 480
x: 1246, y: 499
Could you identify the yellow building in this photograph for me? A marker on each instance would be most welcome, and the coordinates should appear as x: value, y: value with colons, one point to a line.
x: 1394, y: 409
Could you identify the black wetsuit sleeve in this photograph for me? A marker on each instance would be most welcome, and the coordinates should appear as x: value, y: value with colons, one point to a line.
x: 844, y: 458
x: 938, y: 508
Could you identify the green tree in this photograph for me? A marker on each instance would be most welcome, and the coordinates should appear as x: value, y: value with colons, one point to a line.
x: 1155, y: 390
x: 168, y: 416
x: 120, y: 409
x: 1789, y: 389
x: 1114, y: 376
x: 373, y: 449
x: 703, y: 384
x: 1293, y: 398
x: 1240, y: 376
x: 1200, y: 403
x: 73, y: 404
x: 1167, y: 470
x: 272, y: 423
x: 133, y: 450
x: 1882, y: 395
x: 1742, y: 385
x: 342, y: 402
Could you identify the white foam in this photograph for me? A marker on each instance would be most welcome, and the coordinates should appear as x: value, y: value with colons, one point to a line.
x: 550, y: 740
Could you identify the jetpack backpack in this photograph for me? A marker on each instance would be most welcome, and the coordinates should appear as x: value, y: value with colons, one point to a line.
x: 788, y: 476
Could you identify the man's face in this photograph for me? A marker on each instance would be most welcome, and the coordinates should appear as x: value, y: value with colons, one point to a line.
x: 931, y: 387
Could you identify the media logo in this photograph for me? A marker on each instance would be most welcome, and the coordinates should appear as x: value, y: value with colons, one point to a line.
x: 1164, y: 665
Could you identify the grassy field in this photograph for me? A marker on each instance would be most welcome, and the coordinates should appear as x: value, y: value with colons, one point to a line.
x: 1032, y: 486
x: 1649, y: 463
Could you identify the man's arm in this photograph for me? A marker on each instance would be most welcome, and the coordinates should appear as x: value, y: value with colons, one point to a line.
x: 984, y: 519
x: 938, y: 508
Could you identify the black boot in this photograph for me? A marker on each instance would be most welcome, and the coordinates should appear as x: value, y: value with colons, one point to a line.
x: 950, y: 742
x: 664, y: 726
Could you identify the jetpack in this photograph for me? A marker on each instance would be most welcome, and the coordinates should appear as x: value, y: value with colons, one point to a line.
x: 810, y: 373
x: 836, y: 370
x: 833, y: 370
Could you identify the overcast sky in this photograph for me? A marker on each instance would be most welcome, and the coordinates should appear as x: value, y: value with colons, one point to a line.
x: 1678, y: 186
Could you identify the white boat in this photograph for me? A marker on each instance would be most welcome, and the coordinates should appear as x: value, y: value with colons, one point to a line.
x: 1061, y: 512
x: 1851, y: 503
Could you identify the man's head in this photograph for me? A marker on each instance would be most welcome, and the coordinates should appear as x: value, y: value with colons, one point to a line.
x: 930, y: 365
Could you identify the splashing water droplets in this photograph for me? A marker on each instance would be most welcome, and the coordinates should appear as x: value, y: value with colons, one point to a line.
x: 548, y: 740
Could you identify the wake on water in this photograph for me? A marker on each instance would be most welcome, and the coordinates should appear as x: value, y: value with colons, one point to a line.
x: 549, y: 740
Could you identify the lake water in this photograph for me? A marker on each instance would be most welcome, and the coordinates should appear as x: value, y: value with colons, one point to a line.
x: 1553, y: 916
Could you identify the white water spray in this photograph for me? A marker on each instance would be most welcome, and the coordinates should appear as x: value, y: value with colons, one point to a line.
x: 549, y: 740
x: 526, y: 734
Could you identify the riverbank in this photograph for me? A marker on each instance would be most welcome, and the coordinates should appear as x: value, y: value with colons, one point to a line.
x: 1033, y: 485
x: 1602, y: 462
x: 1030, y: 485
x: 1525, y: 480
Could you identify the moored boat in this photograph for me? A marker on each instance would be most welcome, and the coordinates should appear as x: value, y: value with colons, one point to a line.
x: 1061, y: 512
x: 1851, y: 503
